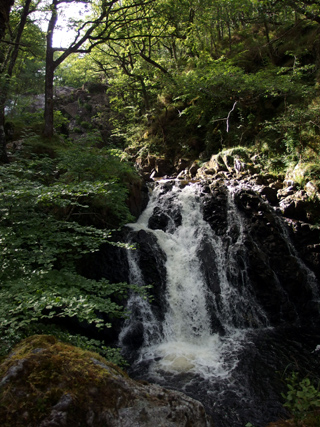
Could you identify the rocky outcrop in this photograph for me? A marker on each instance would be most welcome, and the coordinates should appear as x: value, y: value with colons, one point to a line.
x: 154, y: 167
x: 45, y: 383
x: 280, y: 243
x: 296, y: 201
x: 273, y: 260
x: 86, y: 109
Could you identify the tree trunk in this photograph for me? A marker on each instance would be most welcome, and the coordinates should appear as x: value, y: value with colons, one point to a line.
x: 144, y: 94
x: 48, y: 109
x: 270, y: 47
x: 3, y: 149
x: 50, y: 67
x: 4, y: 15
x: 3, y: 142
x: 23, y: 20
x: 4, y: 19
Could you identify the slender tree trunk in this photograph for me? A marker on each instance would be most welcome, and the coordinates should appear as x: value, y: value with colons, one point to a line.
x: 48, y: 109
x: 229, y: 36
x: 3, y: 142
x: 5, y: 8
x: 50, y: 68
x: 9, y: 66
x: 23, y: 20
x: 270, y: 47
x: 144, y: 94
x: 174, y: 50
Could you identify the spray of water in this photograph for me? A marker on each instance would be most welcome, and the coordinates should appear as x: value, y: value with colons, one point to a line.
x: 185, y: 342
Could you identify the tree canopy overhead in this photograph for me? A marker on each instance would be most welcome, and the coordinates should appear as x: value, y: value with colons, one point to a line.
x: 139, y: 35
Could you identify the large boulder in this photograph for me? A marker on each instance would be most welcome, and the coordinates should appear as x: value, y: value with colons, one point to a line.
x: 45, y: 383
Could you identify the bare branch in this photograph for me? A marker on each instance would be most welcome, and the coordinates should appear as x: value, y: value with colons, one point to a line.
x: 228, y: 116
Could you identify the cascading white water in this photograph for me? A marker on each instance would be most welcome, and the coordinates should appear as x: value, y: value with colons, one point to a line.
x: 139, y: 306
x: 187, y: 342
x: 239, y: 306
x: 310, y: 276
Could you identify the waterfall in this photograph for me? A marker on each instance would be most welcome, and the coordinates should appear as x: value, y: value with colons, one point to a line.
x: 204, y: 329
x: 186, y: 340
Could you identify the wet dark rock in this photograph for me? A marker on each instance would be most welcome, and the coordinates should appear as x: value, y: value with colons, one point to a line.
x: 147, y: 247
x: 288, y: 208
x: 151, y: 260
x: 162, y: 221
x: 133, y: 339
x: 193, y: 169
x: 214, y: 208
x: 163, y: 167
x: 138, y: 197
x: 306, y: 239
x: 249, y: 202
x: 270, y: 194
x: 159, y: 220
x: 278, y: 278
x: 181, y: 165
x: 209, y: 267
x: 295, y: 206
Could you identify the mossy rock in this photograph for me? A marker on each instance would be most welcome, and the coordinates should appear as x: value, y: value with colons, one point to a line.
x: 303, y: 172
x: 216, y: 163
x: 241, y: 152
x: 44, y: 382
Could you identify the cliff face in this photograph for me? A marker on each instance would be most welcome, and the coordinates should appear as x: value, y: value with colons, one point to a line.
x: 45, y: 383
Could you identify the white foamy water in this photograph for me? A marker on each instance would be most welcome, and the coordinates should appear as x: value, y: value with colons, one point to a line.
x: 211, y: 357
x: 185, y: 342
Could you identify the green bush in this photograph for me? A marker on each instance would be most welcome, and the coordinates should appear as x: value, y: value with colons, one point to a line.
x: 41, y: 244
x: 302, y: 397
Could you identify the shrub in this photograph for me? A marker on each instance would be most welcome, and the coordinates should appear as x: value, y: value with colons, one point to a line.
x: 302, y: 399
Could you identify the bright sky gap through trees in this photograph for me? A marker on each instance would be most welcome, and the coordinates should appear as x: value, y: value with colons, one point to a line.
x: 64, y: 33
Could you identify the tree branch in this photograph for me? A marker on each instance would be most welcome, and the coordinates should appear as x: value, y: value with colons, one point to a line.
x: 228, y: 116
x: 152, y: 62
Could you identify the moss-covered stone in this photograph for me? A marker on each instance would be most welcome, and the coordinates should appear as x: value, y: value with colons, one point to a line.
x: 44, y: 382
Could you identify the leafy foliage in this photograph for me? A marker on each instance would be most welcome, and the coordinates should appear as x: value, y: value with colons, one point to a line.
x: 41, y: 245
x: 224, y: 71
x: 302, y: 397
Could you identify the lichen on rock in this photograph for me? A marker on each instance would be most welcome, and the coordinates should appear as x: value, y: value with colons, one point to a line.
x: 46, y: 383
